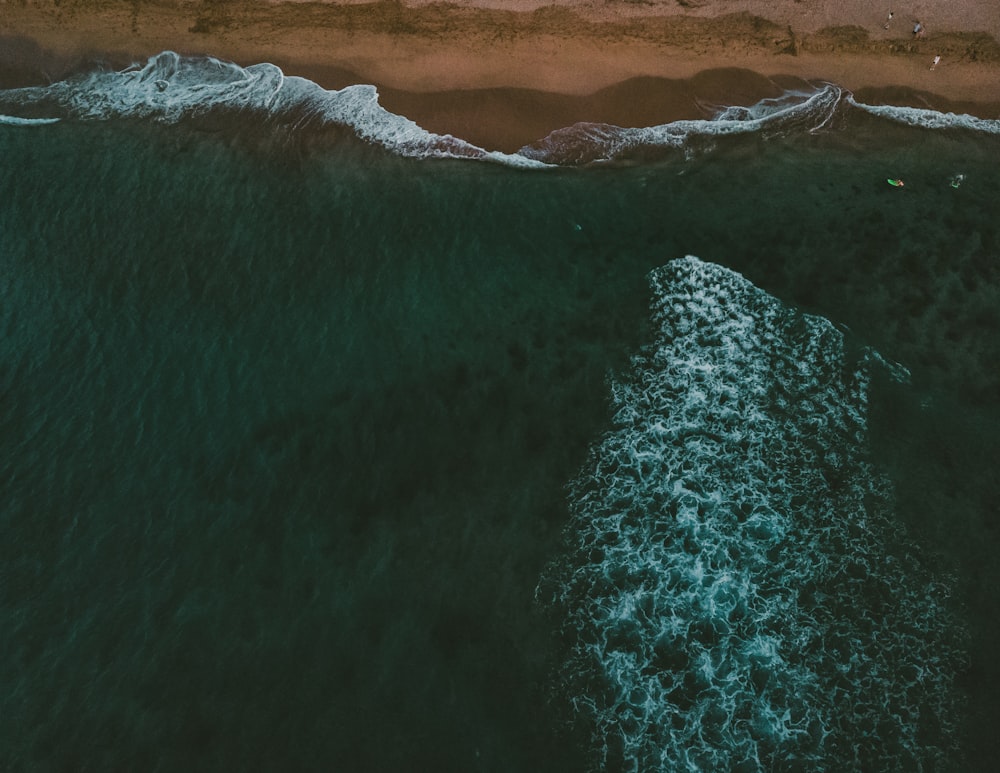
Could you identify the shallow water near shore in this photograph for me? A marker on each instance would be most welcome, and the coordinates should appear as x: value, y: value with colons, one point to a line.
x: 301, y: 440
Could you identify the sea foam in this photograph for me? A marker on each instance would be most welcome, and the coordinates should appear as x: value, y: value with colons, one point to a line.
x: 795, y: 111
x: 13, y: 120
x: 170, y: 88
x: 736, y: 594
x: 929, y: 119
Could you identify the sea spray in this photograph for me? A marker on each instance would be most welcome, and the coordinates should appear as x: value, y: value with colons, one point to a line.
x: 736, y: 594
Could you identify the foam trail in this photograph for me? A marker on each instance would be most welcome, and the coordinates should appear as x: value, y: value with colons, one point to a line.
x: 735, y: 595
x: 170, y: 88
x: 795, y: 111
x: 13, y: 120
x: 929, y: 119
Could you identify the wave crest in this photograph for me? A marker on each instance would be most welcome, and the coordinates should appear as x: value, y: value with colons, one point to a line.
x: 795, y: 111
x: 13, y: 120
x: 171, y: 88
x: 924, y: 118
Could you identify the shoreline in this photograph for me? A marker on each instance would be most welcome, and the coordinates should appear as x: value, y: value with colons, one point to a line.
x: 502, y: 78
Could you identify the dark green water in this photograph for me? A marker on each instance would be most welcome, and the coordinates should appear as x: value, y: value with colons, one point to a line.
x: 286, y: 427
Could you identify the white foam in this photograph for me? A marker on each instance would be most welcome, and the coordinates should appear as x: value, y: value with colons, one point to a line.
x: 930, y: 119
x: 734, y: 594
x: 13, y: 120
x: 806, y: 111
x: 170, y: 87
x: 794, y: 112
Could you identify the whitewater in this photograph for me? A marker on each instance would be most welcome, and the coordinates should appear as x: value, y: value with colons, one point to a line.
x: 738, y: 593
x: 170, y: 88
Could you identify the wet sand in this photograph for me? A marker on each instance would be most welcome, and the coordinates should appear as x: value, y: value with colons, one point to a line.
x: 502, y: 74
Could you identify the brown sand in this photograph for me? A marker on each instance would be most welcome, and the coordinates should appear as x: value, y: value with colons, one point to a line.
x: 501, y: 73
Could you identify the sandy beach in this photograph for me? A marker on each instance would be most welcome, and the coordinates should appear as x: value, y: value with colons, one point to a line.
x: 502, y: 73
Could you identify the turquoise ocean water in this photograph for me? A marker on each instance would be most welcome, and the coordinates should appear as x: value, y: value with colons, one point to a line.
x: 328, y: 444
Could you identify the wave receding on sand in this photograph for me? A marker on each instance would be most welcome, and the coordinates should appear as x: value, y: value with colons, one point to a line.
x: 169, y: 88
x: 502, y: 74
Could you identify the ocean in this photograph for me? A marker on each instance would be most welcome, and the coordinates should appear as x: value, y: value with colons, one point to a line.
x: 328, y: 444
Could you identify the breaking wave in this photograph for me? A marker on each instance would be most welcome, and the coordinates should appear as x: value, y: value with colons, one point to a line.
x: 13, y: 120
x: 795, y: 111
x: 930, y: 119
x: 736, y: 594
x: 170, y: 88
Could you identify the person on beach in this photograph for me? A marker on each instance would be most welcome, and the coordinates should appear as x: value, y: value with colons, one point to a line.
x: 887, y: 21
x: 918, y: 30
x: 936, y: 60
